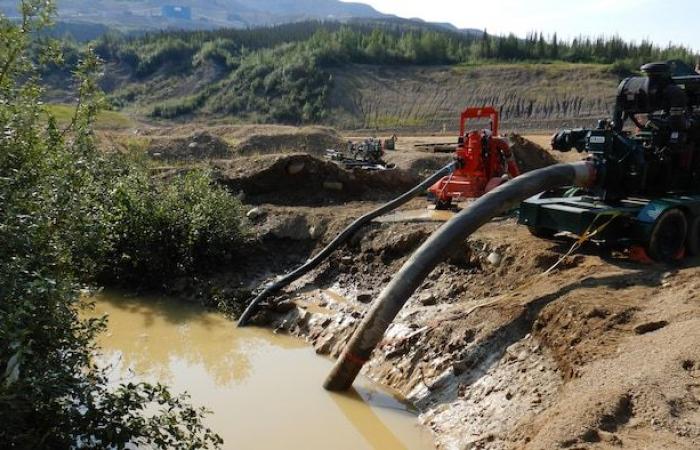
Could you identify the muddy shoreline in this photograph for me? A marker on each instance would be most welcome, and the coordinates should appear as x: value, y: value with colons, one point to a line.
x: 600, y: 353
x: 498, y: 356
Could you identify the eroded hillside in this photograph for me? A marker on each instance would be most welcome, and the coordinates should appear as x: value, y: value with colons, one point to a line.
x: 529, y: 96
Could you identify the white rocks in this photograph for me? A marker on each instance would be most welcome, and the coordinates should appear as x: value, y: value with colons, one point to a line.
x: 494, y: 258
x: 427, y: 299
x: 255, y: 213
x: 295, y: 168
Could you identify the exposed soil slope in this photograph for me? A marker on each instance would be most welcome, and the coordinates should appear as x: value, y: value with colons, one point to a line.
x: 529, y: 96
x: 601, y: 353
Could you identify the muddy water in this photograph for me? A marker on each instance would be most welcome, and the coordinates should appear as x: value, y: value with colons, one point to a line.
x: 417, y: 215
x: 264, y: 389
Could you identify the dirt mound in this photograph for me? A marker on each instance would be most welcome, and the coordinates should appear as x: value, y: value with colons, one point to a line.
x: 529, y: 155
x: 312, y: 140
x: 198, y: 146
x: 301, y: 179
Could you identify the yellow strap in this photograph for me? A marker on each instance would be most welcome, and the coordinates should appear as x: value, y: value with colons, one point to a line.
x: 587, y: 235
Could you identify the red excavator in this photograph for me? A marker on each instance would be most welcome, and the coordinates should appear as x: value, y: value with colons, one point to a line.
x: 484, y: 161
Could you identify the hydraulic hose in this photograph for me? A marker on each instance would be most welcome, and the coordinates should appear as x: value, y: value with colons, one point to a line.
x: 339, y: 240
x: 372, y: 328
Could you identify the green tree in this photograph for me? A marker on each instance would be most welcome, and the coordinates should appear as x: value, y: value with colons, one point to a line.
x: 56, y: 226
x: 554, y: 52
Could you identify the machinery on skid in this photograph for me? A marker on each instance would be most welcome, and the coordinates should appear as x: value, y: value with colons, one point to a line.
x: 647, y: 191
x: 484, y: 161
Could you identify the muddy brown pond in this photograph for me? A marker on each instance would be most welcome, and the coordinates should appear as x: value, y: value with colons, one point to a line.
x: 264, y: 389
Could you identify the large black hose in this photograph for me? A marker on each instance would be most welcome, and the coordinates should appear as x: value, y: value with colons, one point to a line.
x: 339, y: 240
x: 436, y: 249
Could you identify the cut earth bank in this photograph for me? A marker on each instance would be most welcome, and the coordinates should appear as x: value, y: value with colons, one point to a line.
x: 599, y: 353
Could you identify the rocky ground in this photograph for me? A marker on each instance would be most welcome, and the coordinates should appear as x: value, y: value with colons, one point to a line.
x: 495, y: 354
x: 597, y: 354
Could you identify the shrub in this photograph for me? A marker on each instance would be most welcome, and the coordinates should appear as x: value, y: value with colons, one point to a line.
x: 178, y: 107
x: 66, y: 214
x: 166, y: 229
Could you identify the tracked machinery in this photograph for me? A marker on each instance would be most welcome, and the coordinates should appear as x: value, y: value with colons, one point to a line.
x: 646, y: 196
x: 483, y: 161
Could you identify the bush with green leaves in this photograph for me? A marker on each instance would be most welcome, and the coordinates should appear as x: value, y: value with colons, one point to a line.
x: 68, y: 214
x: 167, y: 229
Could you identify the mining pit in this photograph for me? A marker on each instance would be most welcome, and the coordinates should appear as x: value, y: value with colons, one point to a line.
x: 600, y: 352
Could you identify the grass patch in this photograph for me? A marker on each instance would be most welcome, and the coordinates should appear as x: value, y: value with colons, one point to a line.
x: 106, y: 120
x: 388, y: 121
x: 547, y: 66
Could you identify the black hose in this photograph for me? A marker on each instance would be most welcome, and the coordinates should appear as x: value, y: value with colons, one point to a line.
x: 436, y: 249
x: 339, y: 240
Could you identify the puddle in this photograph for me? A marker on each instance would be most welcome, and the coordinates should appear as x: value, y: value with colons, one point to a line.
x: 417, y: 215
x: 321, y: 301
x: 264, y: 389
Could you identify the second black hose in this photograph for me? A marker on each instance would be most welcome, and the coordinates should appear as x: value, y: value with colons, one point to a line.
x: 346, y: 234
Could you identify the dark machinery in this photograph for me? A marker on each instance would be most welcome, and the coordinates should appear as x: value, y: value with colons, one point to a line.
x: 367, y: 155
x: 369, y: 150
x: 647, y: 189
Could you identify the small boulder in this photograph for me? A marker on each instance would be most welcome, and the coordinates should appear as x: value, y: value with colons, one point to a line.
x: 333, y: 185
x: 650, y: 327
x: 494, y: 258
x: 364, y: 297
x: 428, y: 299
x: 255, y: 213
x: 295, y: 168
x: 317, y: 231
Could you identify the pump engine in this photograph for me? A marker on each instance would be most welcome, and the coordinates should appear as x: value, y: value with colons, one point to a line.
x: 661, y: 156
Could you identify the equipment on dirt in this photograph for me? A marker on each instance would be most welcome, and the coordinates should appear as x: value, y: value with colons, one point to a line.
x: 390, y: 144
x: 648, y: 179
x: 484, y: 161
x: 438, y: 247
x: 620, y: 165
x: 365, y: 155
x: 352, y: 163
x: 346, y: 234
x: 370, y: 150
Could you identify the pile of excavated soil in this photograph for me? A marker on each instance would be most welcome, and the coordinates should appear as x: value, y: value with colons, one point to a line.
x: 311, y: 140
x: 196, y: 147
x: 301, y: 179
x: 528, y: 154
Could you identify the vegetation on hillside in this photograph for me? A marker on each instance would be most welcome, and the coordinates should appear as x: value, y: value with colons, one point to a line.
x: 70, y: 215
x: 280, y: 74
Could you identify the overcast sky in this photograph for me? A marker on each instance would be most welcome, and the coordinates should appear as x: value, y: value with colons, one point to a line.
x: 661, y: 21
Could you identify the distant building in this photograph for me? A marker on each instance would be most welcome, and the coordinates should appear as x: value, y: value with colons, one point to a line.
x: 177, y: 12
